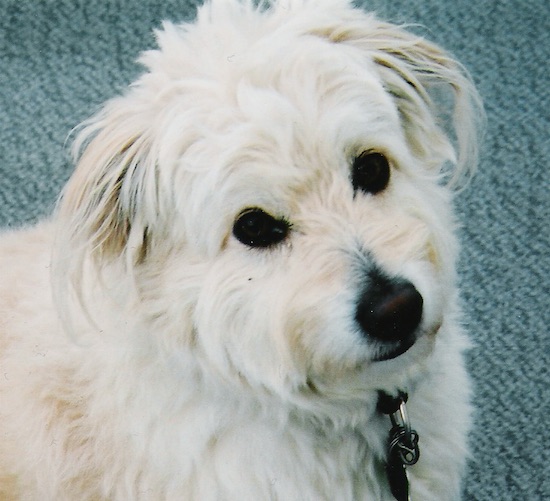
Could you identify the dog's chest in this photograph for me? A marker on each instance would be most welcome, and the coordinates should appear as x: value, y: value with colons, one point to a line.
x: 259, y: 463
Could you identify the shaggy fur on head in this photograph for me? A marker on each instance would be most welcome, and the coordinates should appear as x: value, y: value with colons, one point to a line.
x: 152, y: 349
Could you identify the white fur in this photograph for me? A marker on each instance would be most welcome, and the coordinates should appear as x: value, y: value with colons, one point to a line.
x: 147, y: 354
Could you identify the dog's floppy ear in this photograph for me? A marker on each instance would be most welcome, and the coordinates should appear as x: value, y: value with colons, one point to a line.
x: 440, y: 109
x: 109, y: 202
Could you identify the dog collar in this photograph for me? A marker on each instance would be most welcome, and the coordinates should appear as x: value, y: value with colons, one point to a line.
x: 403, y: 448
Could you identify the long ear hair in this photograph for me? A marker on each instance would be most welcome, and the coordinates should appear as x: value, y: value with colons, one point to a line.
x: 115, y: 168
x: 441, y: 111
x: 111, y: 199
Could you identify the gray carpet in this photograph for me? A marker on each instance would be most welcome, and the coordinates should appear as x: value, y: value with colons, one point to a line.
x: 59, y: 59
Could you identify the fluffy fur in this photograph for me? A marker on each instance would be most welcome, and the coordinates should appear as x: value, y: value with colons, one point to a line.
x: 147, y: 354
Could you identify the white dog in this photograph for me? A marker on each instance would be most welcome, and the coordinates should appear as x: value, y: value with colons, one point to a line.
x: 257, y: 246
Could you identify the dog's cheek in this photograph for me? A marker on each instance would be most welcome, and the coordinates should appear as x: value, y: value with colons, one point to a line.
x: 239, y: 322
x: 416, y: 223
x: 168, y: 284
x: 319, y: 305
x: 320, y: 329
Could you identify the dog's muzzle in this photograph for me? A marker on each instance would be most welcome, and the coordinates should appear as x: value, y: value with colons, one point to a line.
x: 389, y: 312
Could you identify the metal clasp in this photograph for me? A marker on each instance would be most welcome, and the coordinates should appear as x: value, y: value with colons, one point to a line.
x: 404, y: 440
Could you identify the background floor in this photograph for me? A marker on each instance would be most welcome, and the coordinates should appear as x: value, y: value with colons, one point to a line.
x: 60, y: 59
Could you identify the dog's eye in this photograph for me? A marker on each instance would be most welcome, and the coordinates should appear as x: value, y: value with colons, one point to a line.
x: 256, y: 228
x: 371, y: 172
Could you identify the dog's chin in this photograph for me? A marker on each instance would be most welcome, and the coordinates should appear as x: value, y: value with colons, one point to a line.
x: 393, y: 351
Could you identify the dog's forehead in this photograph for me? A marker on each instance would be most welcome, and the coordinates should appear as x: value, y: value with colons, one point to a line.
x: 304, y: 102
x: 279, y: 69
x: 305, y: 80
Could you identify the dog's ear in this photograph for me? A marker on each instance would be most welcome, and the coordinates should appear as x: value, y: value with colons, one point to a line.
x: 440, y: 109
x: 112, y: 198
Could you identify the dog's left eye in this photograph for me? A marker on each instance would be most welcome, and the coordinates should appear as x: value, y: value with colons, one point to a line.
x: 371, y: 172
x: 256, y: 228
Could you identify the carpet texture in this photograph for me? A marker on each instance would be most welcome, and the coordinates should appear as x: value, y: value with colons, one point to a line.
x: 60, y: 59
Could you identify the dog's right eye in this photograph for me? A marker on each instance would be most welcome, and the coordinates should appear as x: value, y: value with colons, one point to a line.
x: 256, y: 228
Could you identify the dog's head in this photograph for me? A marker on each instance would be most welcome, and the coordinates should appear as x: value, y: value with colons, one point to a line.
x: 273, y: 189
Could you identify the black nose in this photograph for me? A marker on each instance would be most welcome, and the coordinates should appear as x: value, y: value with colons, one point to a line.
x: 389, y: 310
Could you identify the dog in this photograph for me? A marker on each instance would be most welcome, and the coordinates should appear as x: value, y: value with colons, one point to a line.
x: 257, y: 246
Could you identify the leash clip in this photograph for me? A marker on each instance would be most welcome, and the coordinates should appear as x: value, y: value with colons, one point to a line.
x: 403, y: 447
x: 403, y: 439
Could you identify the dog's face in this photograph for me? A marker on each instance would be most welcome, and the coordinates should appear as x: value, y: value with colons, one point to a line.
x: 272, y: 187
